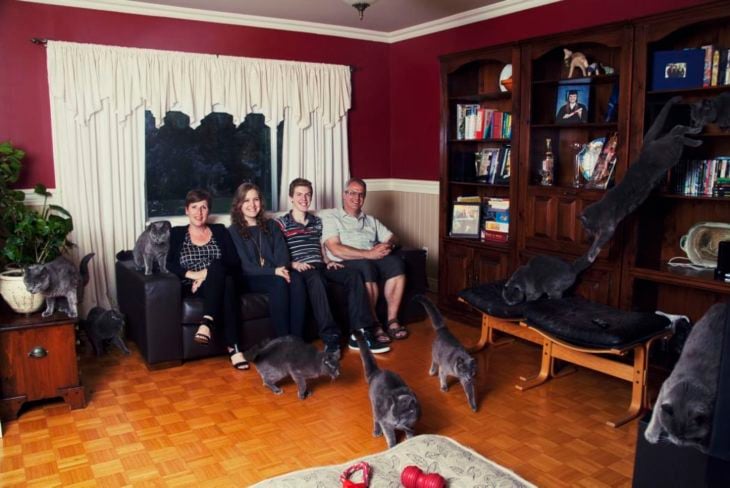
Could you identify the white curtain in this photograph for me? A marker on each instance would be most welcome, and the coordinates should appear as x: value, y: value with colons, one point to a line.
x: 98, y: 98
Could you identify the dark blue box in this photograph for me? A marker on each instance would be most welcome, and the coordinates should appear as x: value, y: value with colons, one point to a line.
x: 678, y: 70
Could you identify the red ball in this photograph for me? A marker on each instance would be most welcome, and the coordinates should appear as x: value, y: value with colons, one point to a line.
x: 432, y: 480
x: 410, y: 475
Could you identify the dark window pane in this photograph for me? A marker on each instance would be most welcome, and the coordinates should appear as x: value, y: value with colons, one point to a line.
x: 216, y: 156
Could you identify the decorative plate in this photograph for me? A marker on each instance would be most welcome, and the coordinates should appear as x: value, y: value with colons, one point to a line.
x: 588, y: 157
x: 506, y: 73
x: 702, y: 241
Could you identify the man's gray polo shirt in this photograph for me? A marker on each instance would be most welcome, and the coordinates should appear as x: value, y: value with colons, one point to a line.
x: 361, y: 232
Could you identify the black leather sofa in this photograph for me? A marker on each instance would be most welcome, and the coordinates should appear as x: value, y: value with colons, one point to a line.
x: 162, y: 324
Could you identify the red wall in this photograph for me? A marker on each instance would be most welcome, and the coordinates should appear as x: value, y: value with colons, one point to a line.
x: 394, y: 124
x: 24, y: 103
x: 415, y: 85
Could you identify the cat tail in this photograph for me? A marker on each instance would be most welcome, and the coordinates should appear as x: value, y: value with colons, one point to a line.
x: 84, y: 269
x: 581, y: 264
x: 436, y: 318
x: 369, y: 364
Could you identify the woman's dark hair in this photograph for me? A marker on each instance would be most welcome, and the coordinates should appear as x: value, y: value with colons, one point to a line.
x: 237, y: 217
x: 194, y: 196
x: 569, y: 93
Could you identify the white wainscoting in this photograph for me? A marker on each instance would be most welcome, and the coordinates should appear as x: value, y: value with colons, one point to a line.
x: 410, y: 208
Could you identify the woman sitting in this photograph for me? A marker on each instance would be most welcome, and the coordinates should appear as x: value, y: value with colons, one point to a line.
x: 202, y: 255
x: 264, y: 260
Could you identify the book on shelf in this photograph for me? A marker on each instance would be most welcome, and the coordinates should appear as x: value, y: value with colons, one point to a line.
x: 469, y: 199
x: 474, y: 122
x: 716, y: 72
x: 704, y: 177
x: 495, y: 224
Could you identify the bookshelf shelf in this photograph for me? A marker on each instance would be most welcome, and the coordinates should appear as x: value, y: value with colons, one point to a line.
x: 594, y: 80
x: 681, y: 277
x: 593, y: 125
x: 480, y: 97
x: 483, y: 141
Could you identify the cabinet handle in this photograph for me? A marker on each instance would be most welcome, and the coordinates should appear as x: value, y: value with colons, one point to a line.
x: 38, y: 352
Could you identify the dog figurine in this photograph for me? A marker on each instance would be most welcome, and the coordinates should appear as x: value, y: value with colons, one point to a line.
x: 575, y: 60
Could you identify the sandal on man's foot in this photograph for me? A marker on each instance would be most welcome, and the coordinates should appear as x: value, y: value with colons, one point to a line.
x: 396, y: 331
x: 380, y: 335
x: 202, y: 335
x: 237, y: 359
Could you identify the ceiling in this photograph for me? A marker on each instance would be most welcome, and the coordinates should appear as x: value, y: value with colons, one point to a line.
x: 383, y: 16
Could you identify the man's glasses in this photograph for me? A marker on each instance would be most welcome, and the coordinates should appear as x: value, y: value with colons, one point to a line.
x: 355, y: 194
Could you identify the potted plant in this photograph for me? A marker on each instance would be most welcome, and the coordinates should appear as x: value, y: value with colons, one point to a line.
x: 29, y: 235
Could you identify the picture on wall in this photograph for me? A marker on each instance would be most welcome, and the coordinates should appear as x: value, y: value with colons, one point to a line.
x: 572, y: 104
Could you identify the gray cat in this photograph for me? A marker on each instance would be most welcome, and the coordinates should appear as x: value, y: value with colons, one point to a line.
x: 684, y: 408
x: 105, y: 325
x: 291, y: 356
x: 715, y: 110
x: 658, y: 155
x: 59, y: 279
x: 542, y: 275
x: 152, y: 245
x: 395, y: 406
x: 448, y: 356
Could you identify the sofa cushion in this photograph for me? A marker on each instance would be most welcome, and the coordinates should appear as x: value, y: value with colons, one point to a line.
x: 253, y: 306
x: 580, y: 322
x: 487, y: 298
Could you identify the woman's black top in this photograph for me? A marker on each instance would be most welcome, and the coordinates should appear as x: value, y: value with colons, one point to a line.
x: 182, y: 255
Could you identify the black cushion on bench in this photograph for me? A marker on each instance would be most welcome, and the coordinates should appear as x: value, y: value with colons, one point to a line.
x: 487, y: 298
x: 582, y: 323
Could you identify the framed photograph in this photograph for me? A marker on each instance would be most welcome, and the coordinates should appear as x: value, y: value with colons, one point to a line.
x: 465, y: 219
x: 572, y: 103
x: 672, y: 70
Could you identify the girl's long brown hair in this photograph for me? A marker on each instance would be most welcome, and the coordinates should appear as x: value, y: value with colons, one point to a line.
x: 237, y: 215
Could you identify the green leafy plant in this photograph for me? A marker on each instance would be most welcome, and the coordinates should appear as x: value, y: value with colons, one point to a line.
x: 30, y: 235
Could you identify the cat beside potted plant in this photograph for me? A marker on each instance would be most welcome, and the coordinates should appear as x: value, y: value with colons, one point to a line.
x: 29, y: 236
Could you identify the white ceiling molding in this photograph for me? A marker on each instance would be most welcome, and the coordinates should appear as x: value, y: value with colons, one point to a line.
x: 429, y: 187
x: 499, y: 9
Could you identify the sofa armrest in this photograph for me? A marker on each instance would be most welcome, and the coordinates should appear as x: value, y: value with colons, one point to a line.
x: 152, y: 305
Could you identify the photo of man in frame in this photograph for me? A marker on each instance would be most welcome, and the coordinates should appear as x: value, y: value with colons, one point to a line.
x: 572, y: 104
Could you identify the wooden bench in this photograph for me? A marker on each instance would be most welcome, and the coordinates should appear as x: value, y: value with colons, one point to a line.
x: 566, y: 330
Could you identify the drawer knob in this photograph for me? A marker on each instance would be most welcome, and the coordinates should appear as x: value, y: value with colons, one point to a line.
x: 38, y: 352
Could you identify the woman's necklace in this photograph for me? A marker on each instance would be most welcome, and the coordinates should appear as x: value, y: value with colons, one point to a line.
x: 258, y: 249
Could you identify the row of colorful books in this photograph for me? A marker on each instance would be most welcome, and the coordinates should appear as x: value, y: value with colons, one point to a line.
x: 476, y: 122
x: 717, y: 66
x: 492, y: 164
x: 699, y: 177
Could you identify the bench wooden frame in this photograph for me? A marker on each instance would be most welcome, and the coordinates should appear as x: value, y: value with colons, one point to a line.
x: 511, y: 327
x: 635, y: 373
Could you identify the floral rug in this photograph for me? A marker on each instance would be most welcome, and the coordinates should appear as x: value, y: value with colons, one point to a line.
x: 460, y: 466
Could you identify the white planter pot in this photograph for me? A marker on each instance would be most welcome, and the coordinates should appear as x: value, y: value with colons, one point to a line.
x: 16, y: 295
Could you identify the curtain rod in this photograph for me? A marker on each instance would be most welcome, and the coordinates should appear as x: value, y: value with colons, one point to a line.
x: 42, y: 42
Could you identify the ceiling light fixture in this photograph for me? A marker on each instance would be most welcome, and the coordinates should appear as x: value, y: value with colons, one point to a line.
x: 360, y: 5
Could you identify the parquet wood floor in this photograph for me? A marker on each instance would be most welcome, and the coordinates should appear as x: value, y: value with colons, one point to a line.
x: 205, y: 424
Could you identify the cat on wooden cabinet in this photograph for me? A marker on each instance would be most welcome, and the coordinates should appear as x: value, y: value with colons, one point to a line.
x: 395, y: 406
x: 291, y: 356
x: 684, y: 409
x: 152, y: 246
x: 59, y: 279
x: 448, y: 356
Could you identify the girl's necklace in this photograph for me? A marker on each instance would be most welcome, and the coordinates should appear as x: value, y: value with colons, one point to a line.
x: 258, y: 250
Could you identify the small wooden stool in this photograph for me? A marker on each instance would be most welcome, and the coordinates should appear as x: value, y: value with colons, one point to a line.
x: 578, y: 331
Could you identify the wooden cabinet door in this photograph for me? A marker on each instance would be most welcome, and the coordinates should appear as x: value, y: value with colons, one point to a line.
x: 456, y: 274
x: 48, y: 356
x: 599, y: 285
x: 490, y: 265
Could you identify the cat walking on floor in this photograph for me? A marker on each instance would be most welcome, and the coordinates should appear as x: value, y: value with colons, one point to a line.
x: 59, y: 279
x: 448, y: 356
x: 395, y: 406
x: 105, y: 326
x: 291, y: 356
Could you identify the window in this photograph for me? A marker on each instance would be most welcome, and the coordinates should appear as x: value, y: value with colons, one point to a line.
x: 216, y: 156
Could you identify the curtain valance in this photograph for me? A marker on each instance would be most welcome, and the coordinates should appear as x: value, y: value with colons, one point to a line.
x: 83, y: 75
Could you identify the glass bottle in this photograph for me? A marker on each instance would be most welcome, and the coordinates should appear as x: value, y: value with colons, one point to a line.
x: 548, y: 164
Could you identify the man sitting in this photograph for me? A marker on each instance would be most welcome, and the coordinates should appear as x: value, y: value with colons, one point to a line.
x: 363, y: 243
x: 303, y: 233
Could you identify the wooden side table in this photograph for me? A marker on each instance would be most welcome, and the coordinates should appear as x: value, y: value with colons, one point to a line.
x: 37, y: 361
